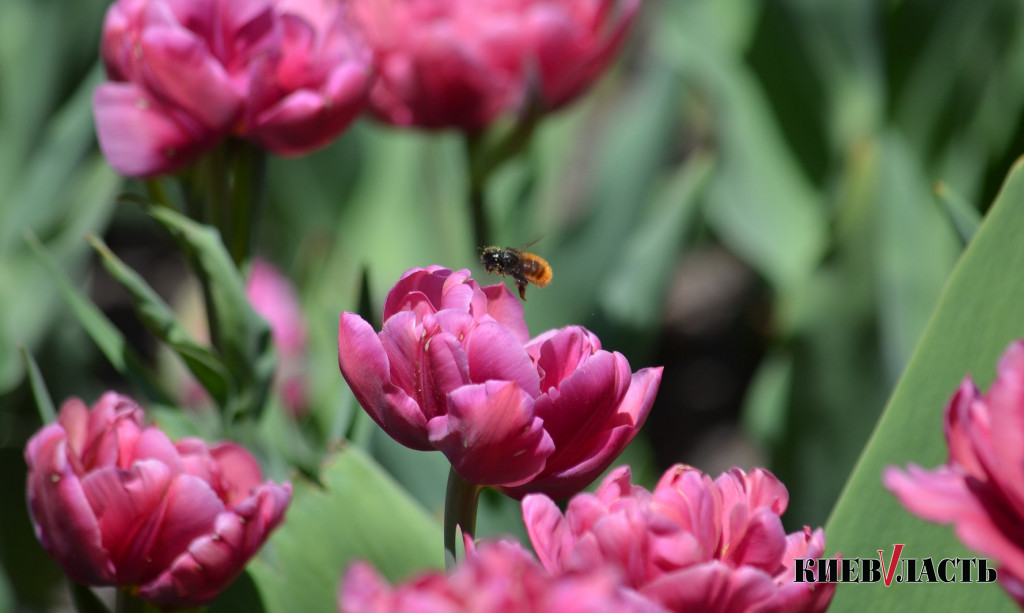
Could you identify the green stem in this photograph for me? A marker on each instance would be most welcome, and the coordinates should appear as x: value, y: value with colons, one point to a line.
x: 460, y: 502
x: 476, y: 175
x: 248, y: 193
x: 158, y: 193
x: 127, y: 602
x: 484, y: 156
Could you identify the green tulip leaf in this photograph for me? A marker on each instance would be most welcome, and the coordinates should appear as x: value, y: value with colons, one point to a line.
x: 360, y: 513
x: 239, y: 334
x: 161, y: 320
x: 978, y: 315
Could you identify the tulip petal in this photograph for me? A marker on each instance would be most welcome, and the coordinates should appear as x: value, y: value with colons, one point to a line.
x: 507, y: 310
x: 691, y: 500
x: 963, y: 415
x: 179, y: 68
x: 418, y: 286
x: 712, y: 587
x: 74, y: 419
x: 238, y: 469
x: 584, y: 404
x: 139, y: 136
x: 365, y: 366
x: 944, y: 495
x: 215, y: 559
x: 560, y: 352
x: 190, y: 508
x: 441, y: 83
x: 758, y: 488
x: 490, y: 434
x: 549, y: 534
x: 494, y: 353
x: 568, y: 69
x: 426, y: 358
x: 363, y: 590
x: 153, y: 444
x: 126, y: 504
x: 761, y: 544
x: 1006, y: 411
x: 306, y: 120
x: 61, y: 514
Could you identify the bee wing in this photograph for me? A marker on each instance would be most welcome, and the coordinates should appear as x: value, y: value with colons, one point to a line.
x: 533, y: 242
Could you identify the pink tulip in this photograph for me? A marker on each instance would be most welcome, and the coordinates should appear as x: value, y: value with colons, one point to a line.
x: 980, y: 489
x: 274, y: 298
x: 288, y: 75
x: 116, y: 503
x: 462, y: 63
x: 499, y: 576
x: 453, y: 369
x: 692, y: 544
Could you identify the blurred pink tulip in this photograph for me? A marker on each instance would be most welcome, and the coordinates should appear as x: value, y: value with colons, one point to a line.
x: 288, y: 75
x: 116, y: 503
x: 499, y: 576
x: 461, y: 63
x: 691, y: 545
x: 453, y: 369
x: 980, y: 489
x: 274, y: 298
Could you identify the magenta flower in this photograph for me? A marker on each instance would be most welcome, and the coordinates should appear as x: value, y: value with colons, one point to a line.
x: 461, y: 63
x: 499, y: 576
x: 980, y: 489
x: 274, y: 298
x: 691, y: 545
x: 116, y: 503
x: 288, y: 75
x: 453, y: 369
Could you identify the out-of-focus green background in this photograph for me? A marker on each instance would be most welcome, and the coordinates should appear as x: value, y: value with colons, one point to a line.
x: 767, y: 198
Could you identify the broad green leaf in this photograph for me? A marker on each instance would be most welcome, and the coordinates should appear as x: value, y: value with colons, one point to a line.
x: 240, y: 335
x: 44, y: 403
x: 107, y: 337
x: 359, y: 514
x: 978, y: 316
x: 161, y: 320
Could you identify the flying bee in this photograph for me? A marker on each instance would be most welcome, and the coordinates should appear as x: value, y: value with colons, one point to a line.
x: 517, y: 263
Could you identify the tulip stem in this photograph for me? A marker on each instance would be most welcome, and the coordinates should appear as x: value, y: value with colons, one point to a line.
x: 126, y: 602
x: 460, y: 503
x: 476, y: 177
x: 484, y: 154
x: 248, y: 192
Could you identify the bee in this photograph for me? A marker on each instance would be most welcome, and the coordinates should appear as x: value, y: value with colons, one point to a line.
x: 517, y: 263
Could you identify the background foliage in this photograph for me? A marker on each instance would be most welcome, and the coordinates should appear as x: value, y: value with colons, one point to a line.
x: 766, y: 197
